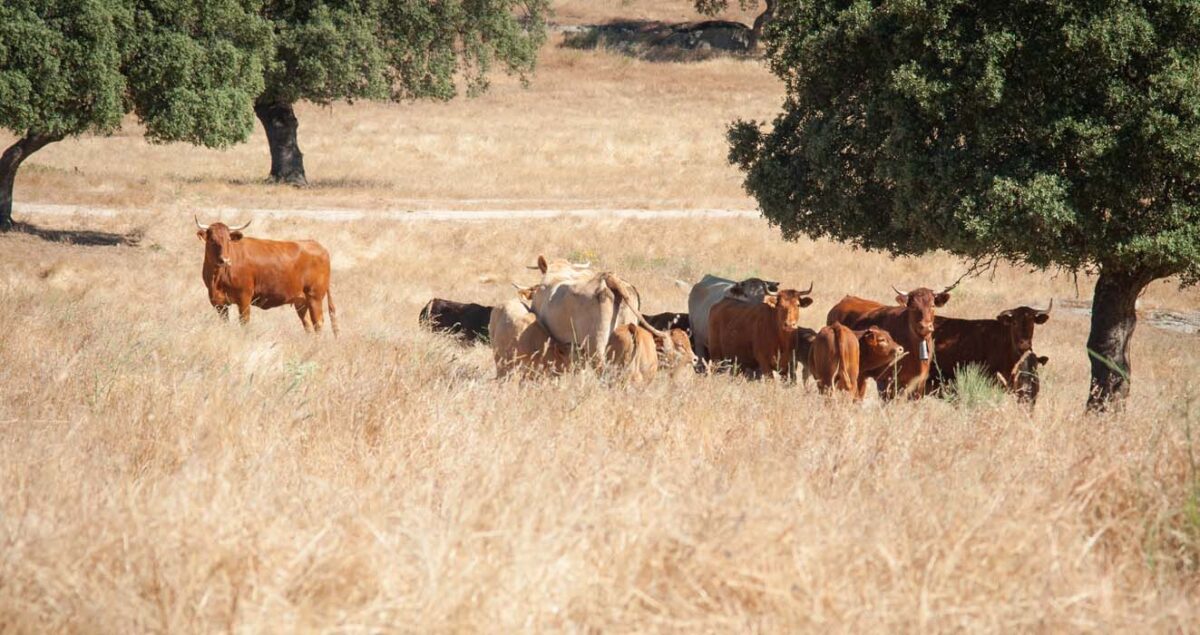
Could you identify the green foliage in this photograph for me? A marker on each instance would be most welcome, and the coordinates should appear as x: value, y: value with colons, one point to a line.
x: 60, y: 65
x: 190, y: 69
x: 195, y: 68
x: 714, y: 7
x: 1046, y: 132
x: 974, y: 387
x: 327, y: 50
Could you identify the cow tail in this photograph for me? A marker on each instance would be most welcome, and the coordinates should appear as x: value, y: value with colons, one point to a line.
x: 621, y: 291
x: 332, y: 311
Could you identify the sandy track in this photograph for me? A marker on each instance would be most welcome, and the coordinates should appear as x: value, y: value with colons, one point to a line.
x: 32, y: 210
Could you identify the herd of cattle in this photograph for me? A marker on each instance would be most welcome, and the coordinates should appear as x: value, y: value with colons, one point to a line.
x: 578, y: 316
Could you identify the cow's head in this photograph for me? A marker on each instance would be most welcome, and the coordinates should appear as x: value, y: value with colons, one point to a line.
x: 876, y: 348
x: 675, y: 350
x: 216, y: 239
x: 787, y: 304
x: 753, y: 289
x: 920, y: 304
x: 1020, y: 322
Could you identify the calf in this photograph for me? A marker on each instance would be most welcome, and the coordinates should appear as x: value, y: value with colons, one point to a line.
x: 467, y: 321
x: 632, y: 348
x: 759, y: 337
x: 844, y: 358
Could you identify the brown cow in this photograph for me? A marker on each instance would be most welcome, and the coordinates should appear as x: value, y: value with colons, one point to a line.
x: 842, y: 358
x: 758, y: 337
x: 265, y: 273
x: 911, y: 325
x: 996, y: 345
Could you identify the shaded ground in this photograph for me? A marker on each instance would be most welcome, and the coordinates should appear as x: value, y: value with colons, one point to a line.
x: 661, y: 41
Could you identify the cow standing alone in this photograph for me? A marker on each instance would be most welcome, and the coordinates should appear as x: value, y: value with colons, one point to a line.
x: 266, y: 274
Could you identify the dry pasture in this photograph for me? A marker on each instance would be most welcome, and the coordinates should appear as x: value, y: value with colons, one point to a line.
x: 164, y: 471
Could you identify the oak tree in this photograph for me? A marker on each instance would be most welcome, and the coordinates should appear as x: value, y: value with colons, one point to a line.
x: 1055, y: 133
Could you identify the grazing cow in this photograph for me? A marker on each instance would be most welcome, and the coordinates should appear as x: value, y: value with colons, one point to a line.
x: 632, y: 348
x: 679, y: 355
x: 467, y: 321
x: 845, y: 359
x: 265, y: 273
x: 758, y: 337
x: 668, y: 321
x: 911, y: 324
x: 520, y: 343
x: 996, y: 345
x: 711, y: 290
x: 581, y: 307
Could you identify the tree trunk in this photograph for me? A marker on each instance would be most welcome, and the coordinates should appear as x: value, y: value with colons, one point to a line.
x: 287, y: 162
x: 9, y: 162
x: 1113, y: 321
x: 760, y: 23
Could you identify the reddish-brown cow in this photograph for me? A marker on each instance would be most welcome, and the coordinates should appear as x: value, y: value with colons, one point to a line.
x: 266, y: 274
x: 758, y: 337
x: 911, y: 325
x: 996, y: 345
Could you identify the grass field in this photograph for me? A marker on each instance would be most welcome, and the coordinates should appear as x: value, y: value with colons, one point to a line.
x: 164, y: 471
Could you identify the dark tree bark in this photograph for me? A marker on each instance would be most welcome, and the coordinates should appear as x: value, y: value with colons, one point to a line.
x: 1113, y: 321
x: 287, y: 162
x: 760, y: 23
x: 9, y: 162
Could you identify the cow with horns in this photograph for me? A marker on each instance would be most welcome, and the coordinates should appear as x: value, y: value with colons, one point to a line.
x: 265, y: 273
x: 996, y: 345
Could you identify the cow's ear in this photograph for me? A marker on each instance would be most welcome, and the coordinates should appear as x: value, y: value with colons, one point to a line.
x: 771, y: 300
x: 542, y: 263
x: 235, y: 235
x: 1043, y: 359
x: 201, y: 235
x: 805, y: 302
x: 1005, y: 317
x: 901, y: 299
x: 1041, y: 318
x: 941, y: 299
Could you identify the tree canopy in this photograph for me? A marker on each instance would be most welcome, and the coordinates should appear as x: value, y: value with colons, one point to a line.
x: 1053, y: 133
x: 333, y: 50
x: 189, y: 70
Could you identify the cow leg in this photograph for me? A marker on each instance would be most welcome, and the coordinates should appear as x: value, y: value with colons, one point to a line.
x: 302, y: 311
x: 244, y: 309
x: 316, y: 313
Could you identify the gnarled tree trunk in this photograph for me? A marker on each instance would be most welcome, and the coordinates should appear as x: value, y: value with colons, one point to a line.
x: 760, y: 23
x: 1113, y: 321
x: 287, y: 162
x: 9, y: 162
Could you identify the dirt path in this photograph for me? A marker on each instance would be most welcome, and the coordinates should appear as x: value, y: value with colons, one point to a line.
x: 34, y: 210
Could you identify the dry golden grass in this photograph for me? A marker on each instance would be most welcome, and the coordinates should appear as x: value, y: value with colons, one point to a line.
x: 593, y: 130
x: 163, y: 471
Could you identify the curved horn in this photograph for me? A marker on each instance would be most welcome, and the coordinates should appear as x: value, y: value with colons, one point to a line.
x: 202, y: 228
x: 1047, y: 311
x: 808, y: 290
x: 238, y: 229
x: 582, y: 266
x: 899, y: 292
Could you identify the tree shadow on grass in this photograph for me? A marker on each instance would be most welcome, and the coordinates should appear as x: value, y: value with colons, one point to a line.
x: 82, y: 237
x: 661, y: 41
